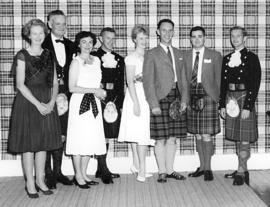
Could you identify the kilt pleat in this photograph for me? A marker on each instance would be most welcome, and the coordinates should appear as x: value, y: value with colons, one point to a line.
x: 163, y: 126
x: 206, y: 121
x: 237, y: 129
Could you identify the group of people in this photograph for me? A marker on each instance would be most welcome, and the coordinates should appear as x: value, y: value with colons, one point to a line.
x: 69, y: 95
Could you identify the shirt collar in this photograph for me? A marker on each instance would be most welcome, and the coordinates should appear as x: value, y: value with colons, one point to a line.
x: 165, y: 47
x: 201, y: 50
x: 55, y: 38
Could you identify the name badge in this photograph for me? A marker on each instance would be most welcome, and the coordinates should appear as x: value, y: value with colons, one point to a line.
x: 207, y: 60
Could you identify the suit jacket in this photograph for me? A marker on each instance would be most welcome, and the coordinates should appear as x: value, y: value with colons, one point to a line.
x: 211, y: 71
x: 70, y: 50
x: 158, y: 75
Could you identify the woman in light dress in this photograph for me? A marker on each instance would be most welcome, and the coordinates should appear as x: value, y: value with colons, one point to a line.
x: 135, y: 121
x: 85, y: 134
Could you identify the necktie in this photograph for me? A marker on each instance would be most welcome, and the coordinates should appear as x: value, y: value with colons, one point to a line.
x: 58, y: 40
x: 85, y: 104
x: 169, y: 54
x: 195, y: 69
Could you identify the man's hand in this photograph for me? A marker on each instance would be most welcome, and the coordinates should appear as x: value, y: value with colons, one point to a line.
x: 156, y: 111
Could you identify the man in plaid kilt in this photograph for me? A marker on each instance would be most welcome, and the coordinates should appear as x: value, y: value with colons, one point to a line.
x: 240, y: 83
x: 164, y: 79
x: 203, y: 67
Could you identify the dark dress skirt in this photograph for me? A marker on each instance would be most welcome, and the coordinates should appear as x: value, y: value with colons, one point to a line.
x: 30, y: 131
x: 237, y: 129
x: 163, y: 126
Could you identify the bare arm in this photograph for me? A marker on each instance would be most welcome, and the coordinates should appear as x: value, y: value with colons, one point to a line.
x: 20, y: 79
x: 130, y: 69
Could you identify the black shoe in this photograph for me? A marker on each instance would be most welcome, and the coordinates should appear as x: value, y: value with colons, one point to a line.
x: 31, y: 195
x: 50, y: 181
x: 197, y: 173
x: 83, y: 186
x: 45, y: 192
x: 230, y: 175
x: 98, y: 174
x: 115, y: 175
x: 162, y: 178
x: 92, y: 182
x: 246, y: 173
x: 208, y: 175
x: 106, y: 178
x: 176, y: 176
x: 239, y: 179
x: 60, y: 178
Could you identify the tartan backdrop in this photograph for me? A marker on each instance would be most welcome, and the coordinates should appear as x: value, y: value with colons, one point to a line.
x: 216, y: 16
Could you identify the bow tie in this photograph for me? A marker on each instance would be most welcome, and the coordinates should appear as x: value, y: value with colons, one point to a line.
x: 61, y: 41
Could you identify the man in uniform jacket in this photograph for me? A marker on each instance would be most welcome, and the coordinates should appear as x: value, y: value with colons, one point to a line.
x: 62, y: 50
x: 203, y: 67
x: 164, y: 80
x: 112, y: 67
x: 240, y: 83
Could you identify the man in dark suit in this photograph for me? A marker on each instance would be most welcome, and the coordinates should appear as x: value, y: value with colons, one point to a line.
x: 164, y: 80
x: 203, y: 67
x: 113, y: 70
x: 62, y: 50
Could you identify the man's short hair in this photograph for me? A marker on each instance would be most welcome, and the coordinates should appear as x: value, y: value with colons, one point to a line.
x: 163, y: 21
x: 197, y: 28
x: 244, y: 31
x: 54, y: 13
x: 107, y: 29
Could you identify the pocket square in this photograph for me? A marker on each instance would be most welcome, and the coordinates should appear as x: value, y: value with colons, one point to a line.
x: 207, y: 60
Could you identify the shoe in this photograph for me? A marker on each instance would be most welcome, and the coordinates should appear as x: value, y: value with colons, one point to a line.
x: 115, y: 175
x: 246, y: 173
x: 31, y: 195
x: 196, y: 174
x: 176, y: 176
x: 45, y: 192
x: 230, y: 175
x: 208, y: 175
x: 83, y: 186
x: 106, y: 178
x: 50, y: 181
x: 134, y: 170
x: 60, y: 178
x: 140, y: 179
x: 92, y: 182
x: 239, y: 179
x: 162, y: 178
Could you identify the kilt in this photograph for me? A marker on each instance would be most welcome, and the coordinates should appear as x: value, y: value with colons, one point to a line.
x: 237, y: 129
x: 163, y: 126
x: 205, y: 121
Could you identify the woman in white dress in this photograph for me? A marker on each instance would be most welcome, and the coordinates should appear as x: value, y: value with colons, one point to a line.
x: 85, y: 134
x: 135, y: 121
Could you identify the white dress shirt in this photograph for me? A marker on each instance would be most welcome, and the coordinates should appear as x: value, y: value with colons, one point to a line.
x: 171, y: 50
x: 60, y: 51
x: 199, y: 75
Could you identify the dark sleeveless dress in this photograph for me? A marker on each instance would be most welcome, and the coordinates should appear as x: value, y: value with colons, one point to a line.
x: 30, y: 131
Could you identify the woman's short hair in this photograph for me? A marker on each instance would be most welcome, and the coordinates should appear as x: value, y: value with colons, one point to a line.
x: 244, y: 31
x: 136, y: 30
x: 82, y: 35
x: 27, y: 28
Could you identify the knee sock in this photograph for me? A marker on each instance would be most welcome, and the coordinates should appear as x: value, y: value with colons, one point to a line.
x: 199, y: 148
x: 208, y: 151
x: 244, y: 155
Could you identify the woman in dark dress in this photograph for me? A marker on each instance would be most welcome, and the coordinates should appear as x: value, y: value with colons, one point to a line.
x: 35, y: 126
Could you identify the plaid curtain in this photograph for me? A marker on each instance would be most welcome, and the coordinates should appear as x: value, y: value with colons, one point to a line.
x: 216, y: 16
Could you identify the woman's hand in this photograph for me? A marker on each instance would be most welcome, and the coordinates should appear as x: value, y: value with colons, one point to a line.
x: 245, y: 114
x: 42, y: 108
x: 136, y: 109
x: 100, y: 93
x: 223, y: 113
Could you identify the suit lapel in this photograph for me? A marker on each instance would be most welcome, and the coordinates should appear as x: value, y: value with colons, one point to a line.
x: 206, y: 56
x: 164, y: 56
x: 189, y: 63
